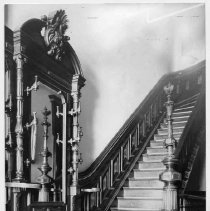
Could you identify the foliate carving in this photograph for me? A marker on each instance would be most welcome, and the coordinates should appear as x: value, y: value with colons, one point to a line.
x: 53, y: 33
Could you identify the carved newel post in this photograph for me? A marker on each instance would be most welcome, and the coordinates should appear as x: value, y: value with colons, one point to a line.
x: 44, y: 179
x: 170, y: 176
x: 77, y: 83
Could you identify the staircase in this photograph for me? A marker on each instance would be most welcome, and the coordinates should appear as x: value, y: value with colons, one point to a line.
x: 143, y: 190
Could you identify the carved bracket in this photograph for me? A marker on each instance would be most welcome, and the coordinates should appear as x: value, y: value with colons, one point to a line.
x: 34, y: 87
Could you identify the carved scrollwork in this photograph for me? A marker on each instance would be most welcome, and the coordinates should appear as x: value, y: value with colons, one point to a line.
x: 53, y: 34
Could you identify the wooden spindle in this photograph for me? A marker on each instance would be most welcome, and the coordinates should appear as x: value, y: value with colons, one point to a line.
x: 111, y: 172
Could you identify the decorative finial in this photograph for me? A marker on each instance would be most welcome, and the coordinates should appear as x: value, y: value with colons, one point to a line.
x: 168, y: 90
x: 55, y: 26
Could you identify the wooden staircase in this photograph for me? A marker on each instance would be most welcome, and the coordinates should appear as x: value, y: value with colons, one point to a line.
x: 143, y: 190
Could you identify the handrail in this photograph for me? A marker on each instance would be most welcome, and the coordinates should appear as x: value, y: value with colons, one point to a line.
x: 113, y: 166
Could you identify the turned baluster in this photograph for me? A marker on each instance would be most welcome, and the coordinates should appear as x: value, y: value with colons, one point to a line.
x: 19, y: 59
x: 44, y: 179
x: 170, y: 176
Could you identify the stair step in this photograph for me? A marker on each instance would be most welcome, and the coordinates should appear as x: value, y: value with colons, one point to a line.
x: 177, y: 119
x: 153, y: 151
x: 138, y: 191
x: 188, y: 104
x: 152, y: 158
x: 174, y: 124
x: 175, y: 130
x: 187, y: 108
x: 147, y: 173
x: 140, y: 202
x: 156, y: 143
x: 133, y: 209
x: 149, y: 165
x: 181, y: 113
x: 148, y: 182
x: 163, y: 137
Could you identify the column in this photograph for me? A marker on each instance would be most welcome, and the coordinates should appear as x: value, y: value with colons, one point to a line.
x: 19, y: 117
x: 77, y: 83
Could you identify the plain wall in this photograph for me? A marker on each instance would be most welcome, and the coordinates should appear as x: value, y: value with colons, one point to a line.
x: 124, y: 49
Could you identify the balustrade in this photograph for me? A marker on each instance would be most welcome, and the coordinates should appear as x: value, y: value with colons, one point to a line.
x: 131, y: 143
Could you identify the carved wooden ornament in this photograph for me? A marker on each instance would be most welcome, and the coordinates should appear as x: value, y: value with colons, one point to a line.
x: 53, y: 32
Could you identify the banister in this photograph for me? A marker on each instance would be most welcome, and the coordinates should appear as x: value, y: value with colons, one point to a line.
x: 139, y: 112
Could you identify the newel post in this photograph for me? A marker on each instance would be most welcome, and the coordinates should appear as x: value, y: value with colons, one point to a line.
x: 170, y: 176
x: 77, y: 84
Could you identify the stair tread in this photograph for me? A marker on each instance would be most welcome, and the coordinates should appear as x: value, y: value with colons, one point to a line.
x: 141, y: 162
x: 142, y: 178
x: 150, y: 170
x: 157, y: 153
x: 140, y: 197
x: 144, y: 188
x: 135, y: 209
x: 182, y: 112
x: 160, y: 154
x: 157, y: 147
x: 181, y: 108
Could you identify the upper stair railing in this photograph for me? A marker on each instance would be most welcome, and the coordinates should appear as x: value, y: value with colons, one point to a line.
x: 102, y: 181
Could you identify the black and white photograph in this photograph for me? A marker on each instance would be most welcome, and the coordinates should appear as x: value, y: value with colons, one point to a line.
x: 104, y: 107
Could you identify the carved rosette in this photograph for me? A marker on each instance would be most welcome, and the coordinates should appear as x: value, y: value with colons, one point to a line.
x: 55, y: 26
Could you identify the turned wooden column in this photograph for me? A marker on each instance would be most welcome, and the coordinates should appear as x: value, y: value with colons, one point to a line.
x: 44, y: 179
x: 19, y: 117
x: 77, y: 83
x: 170, y: 176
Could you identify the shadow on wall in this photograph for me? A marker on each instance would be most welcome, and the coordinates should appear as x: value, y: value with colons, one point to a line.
x: 88, y: 102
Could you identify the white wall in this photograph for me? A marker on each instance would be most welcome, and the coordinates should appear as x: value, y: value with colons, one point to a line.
x: 124, y: 49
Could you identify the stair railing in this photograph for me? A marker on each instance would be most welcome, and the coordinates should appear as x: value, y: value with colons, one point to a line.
x: 102, y: 181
